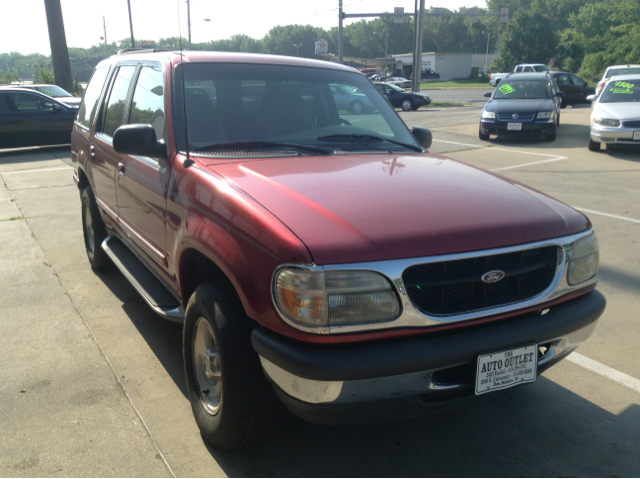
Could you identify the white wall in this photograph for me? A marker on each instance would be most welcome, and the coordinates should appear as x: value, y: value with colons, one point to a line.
x: 452, y: 65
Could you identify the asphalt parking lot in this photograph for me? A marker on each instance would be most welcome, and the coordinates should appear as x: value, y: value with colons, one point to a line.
x: 91, y: 381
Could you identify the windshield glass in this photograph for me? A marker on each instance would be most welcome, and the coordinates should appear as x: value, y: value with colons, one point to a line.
x: 395, y: 87
x: 621, y: 92
x: 241, y: 105
x: 52, y: 90
x: 622, y: 71
x: 523, y: 89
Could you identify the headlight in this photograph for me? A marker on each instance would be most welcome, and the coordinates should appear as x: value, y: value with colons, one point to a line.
x: 583, y: 260
x: 488, y: 114
x: 545, y: 114
x: 606, y: 122
x: 335, y: 298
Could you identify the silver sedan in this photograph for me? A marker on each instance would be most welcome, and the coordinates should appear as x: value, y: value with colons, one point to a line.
x: 615, y: 113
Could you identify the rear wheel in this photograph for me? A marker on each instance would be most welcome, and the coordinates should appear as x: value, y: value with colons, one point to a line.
x: 230, y: 396
x: 406, y: 105
x: 356, y: 107
x: 94, y: 232
x: 594, y: 145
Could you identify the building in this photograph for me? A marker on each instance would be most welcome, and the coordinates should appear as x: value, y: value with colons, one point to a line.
x: 448, y: 65
x: 481, y: 60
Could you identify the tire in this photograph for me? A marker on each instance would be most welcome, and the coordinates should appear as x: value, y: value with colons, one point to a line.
x: 236, y: 407
x: 551, y: 136
x: 356, y: 107
x: 406, y: 105
x: 483, y: 136
x: 594, y: 145
x: 94, y: 232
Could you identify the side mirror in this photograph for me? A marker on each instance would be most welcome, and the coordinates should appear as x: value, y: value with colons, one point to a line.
x: 138, y: 140
x: 487, y: 94
x: 56, y: 108
x: 592, y: 97
x: 559, y: 94
x: 423, y: 135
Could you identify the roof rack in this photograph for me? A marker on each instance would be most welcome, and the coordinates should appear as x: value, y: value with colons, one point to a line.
x: 125, y: 51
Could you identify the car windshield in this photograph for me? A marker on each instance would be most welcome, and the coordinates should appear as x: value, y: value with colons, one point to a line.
x: 53, y: 91
x: 236, y: 106
x: 396, y: 87
x: 522, y: 90
x: 622, y: 71
x: 627, y: 91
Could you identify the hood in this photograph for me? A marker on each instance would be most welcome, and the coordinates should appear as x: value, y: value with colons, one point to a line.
x: 616, y: 111
x: 366, y: 208
x: 520, y: 106
x: 70, y: 100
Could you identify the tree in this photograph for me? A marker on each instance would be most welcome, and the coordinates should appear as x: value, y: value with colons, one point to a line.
x: 10, y: 77
x: 46, y: 77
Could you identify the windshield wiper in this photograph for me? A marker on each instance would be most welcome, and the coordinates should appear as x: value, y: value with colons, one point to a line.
x: 265, y: 144
x: 368, y: 137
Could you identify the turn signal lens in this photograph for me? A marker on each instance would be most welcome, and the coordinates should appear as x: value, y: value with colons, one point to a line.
x: 584, y: 260
x: 335, y: 298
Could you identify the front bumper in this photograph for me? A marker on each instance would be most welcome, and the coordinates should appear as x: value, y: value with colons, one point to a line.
x: 496, y: 127
x: 619, y: 135
x: 408, y: 377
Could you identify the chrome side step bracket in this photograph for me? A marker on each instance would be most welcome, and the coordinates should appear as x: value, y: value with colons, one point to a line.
x: 156, y: 295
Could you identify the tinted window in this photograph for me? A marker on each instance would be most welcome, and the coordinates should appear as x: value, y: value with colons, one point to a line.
x: 28, y: 102
x: 147, y: 106
x: 563, y: 79
x: 541, y: 68
x: 114, y: 114
x: 5, y: 105
x: 53, y: 91
x: 87, y: 111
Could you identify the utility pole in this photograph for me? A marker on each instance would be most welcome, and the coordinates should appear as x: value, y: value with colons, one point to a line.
x: 189, y: 20
x: 104, y: 26
x: 58, y: 42
x: 417, y: 51
x: 486, y: 58
x: 340, y: 38
x: 133, y: 42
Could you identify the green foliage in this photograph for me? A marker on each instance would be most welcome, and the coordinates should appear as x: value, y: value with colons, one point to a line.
x: 46, y: 76
x: 10, y: 77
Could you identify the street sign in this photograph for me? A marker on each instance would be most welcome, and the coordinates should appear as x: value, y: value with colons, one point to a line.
x: 438, y: 17
x: 473, y: 18
x: 322, y: 46
x: 504, y: 15
x: 398, y: 19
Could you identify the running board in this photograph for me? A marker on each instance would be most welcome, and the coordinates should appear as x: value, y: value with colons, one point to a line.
x: 156, y: 294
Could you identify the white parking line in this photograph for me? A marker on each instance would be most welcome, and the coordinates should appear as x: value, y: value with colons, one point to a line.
x: 609, y: 215
x: 532, y: 163
x: 605, y: 371
x: 35, y: 171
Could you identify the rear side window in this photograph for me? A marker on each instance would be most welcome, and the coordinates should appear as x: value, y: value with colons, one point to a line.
x: 114, y: 115
x: 87, y: 111
x: 148, y: 100
x: 5, y: 104
x: 27, y: 102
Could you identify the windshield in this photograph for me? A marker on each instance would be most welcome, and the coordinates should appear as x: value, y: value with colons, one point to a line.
x: 395, y: 87
x: 257, y: 106
x: 521, y: 90
x: 52, y: 90
x: 621, y: 71
x: 621, y: 92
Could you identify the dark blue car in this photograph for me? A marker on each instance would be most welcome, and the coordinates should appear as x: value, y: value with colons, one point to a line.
x: 30, y: 118
x: 522, y: 102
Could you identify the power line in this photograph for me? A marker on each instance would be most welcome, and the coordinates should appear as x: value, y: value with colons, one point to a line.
x: 334, y: 9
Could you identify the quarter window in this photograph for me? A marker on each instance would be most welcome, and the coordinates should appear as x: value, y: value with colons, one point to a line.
x: 87, y: 111
x: 147, y: 106
x: 114, y: 115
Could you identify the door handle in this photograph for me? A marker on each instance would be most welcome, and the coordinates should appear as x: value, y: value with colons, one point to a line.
x: 121, y: 169
x: 92, y: 151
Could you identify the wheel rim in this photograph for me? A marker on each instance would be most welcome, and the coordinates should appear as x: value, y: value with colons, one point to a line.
x: 357, y: 108
x: 88, y: 228
x: 206, y: 362
x: 406, y: 105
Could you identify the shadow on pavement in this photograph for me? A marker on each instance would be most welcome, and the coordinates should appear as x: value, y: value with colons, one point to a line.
x: 623, y: 152
x: 569, y: 136
x: 34, y: 154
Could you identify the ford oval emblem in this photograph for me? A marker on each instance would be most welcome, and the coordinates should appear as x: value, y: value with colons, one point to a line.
x: 493, y: 276
x: 515, y: 116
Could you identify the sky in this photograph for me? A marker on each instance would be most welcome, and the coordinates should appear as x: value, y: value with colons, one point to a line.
x: 24, y: 25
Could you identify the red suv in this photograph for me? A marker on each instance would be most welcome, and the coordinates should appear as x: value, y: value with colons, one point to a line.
x: 316, y: 256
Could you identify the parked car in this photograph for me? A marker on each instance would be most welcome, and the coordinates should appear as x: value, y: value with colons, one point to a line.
x: 522, y: 102
x: 575, y: 89
x: 279, y: 236
x: 29, y: 118
x: 399, y: 81
x: 615, y: 116
x: 400, y: 98
x: 616, y: 70
x: 428, y: 74
x: 54, y: 91
x: 349, y: 98
x: 496, y: 78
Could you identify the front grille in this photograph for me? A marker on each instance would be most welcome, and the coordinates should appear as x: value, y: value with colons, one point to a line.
x: 509, y: 117
x: 455, y: 287
x: 631, y: 124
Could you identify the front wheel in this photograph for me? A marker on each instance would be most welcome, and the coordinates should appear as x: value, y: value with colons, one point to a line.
x: 356, y: 107
x: 230, y: 397
x: 406, y: 105
x: 594, y: 145
x: 483, y: 136
x: 552, y: 135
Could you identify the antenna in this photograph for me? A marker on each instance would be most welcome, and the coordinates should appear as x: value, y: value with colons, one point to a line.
x: 188, y: 162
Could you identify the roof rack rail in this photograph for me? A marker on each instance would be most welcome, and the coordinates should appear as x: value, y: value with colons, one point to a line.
x: 125, y: 51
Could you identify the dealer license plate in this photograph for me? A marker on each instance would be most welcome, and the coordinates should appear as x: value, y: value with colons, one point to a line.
x: 514, y: 126
x: 505, y: 369
x: 636, y: 135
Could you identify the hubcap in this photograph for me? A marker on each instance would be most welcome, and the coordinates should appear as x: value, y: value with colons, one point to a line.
x: 406, y: 105
x: 88, y: 228
x: 206, y: 362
